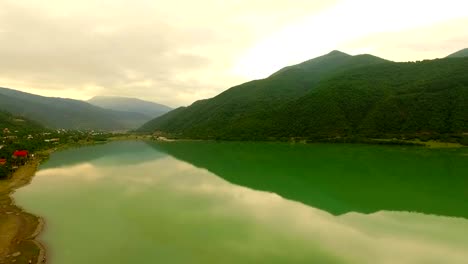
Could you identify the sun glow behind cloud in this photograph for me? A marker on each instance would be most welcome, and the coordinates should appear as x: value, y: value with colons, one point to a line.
x: 348, y: 22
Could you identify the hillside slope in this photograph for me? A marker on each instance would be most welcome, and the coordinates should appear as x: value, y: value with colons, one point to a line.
x: 66, y: 113
x: 150, y: 109
x: 459, y: 54
x: 376, y: 98
x: 429, y: 97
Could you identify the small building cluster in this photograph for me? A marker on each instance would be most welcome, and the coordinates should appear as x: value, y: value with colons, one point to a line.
x: 14, y: 149
x: 19, y: 157
x: 16, y: 145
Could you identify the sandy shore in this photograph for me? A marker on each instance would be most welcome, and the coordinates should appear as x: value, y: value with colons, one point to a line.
x: 19, y: 229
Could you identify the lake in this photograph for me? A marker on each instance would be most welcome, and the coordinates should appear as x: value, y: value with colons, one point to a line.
x: 228, y: 202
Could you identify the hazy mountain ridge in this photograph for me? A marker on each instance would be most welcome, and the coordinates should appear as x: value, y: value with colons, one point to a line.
x: 333, y: 95
x: 67, y: 113
x: 459, y: 54
x: 150, y: 109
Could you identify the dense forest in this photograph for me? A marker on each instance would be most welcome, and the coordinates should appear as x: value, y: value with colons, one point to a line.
x: 334, y: 97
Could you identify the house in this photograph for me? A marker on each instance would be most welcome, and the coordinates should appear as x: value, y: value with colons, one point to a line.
x: 20, y: 154
x: 20, y: 157
x: 6, y: 130
x: 3, y: 162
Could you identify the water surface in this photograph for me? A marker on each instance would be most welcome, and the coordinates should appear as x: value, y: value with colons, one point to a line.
x: 208, y: 202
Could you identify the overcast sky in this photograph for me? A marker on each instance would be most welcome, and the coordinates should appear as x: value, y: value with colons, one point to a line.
x: 176, y: 52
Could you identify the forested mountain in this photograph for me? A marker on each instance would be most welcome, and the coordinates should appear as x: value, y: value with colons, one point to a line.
x: 66, y: 113
x: 429, y: 97
x: 336, y: 95
x: 135, y: 105
x: 459, y: 54
x: 255, y: 104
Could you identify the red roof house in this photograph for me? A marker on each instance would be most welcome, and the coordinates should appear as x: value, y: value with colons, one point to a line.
x: 21, y: 153
x: 3, y: 162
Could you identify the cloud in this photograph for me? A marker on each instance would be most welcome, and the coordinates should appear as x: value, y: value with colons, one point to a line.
x: 415, y: 44
x: 171, y: 52
x: 356, y: 26
x: 176, y: 52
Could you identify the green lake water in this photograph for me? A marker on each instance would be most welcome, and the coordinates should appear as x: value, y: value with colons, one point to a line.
x: 209, y: 202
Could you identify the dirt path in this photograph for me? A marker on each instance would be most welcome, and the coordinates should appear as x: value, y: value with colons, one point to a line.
x: 18, y: 229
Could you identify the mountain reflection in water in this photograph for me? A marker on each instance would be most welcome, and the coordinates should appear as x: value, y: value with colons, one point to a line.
x: 179, y: 208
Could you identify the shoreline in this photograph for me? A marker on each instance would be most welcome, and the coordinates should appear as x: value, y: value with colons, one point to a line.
x: 431, y: 144
x: 19, y: 228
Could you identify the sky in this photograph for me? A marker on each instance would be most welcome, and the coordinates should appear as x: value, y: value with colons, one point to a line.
x: 179, y: 51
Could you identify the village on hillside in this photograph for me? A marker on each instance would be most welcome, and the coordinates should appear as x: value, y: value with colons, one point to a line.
x: 17, y: 147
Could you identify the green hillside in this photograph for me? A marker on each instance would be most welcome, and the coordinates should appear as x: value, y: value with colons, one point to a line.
x: 67, y: 113
x: 254, y: 105
x: 20, y: 124
x: 429, y: 97
x: 335, y: 95
x: 459, y: 54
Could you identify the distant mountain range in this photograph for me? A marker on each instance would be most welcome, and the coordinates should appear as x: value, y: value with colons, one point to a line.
x: 332, y: 96
x: 68, y: 113
x: 150, y: 109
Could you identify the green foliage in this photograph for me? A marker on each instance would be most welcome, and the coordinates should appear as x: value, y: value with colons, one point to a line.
x: 21, y: 124
x: 386, y: 100
x: 333, y: 96
x: 4, y: 172
x: 464, y: 141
